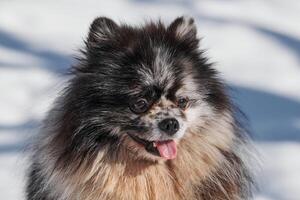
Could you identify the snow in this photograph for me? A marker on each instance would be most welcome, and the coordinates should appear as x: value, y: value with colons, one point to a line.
x: 255, y: 44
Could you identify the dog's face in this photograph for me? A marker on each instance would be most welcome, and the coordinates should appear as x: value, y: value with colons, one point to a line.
x: 147, y: 86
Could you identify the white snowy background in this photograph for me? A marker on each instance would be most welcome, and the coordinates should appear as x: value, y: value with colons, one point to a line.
x: 255, y: 44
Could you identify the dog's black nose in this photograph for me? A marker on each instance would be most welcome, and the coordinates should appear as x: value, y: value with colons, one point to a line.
x: 169, y: 126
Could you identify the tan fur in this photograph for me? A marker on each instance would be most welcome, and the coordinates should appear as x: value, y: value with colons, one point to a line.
x: 124, y: 177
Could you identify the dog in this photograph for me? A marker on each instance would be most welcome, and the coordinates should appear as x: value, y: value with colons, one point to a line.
x: 145, y: 116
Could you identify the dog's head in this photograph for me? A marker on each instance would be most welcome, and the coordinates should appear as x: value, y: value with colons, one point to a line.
x: 146, y: 86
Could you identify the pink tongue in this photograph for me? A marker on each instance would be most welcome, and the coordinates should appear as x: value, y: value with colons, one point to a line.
x: 167, y: 149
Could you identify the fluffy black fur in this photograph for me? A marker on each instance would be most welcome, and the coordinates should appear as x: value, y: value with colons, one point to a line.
x: 93, y: 109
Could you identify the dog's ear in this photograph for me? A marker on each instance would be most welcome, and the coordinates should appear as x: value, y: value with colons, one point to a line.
x: 102, y: 29
x: 184, y: 28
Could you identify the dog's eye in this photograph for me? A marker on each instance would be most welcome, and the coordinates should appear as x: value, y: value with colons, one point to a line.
x: 139, y: 106
x: 182, y: 102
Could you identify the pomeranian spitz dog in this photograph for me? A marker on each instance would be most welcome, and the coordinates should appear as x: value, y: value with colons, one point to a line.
x: 144, y: 117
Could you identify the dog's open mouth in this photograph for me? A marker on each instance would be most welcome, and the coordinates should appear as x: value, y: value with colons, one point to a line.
x: 166, y: 149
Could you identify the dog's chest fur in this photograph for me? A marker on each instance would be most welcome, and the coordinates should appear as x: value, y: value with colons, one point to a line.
x: 144, y: 181
x: 130, y: 179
